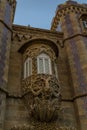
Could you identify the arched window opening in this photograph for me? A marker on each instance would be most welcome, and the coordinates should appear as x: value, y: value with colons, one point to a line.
x: 83, y: 19
x: 27, y: 67
x: 85, y: 24
x: 44, y: 64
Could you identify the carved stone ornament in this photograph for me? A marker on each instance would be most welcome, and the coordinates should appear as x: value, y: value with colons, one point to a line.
x: 34, y: 51
x: 42, y: 96
x: 21, y: 36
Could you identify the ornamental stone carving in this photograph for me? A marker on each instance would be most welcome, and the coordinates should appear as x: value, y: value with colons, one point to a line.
x: 20, y: 36
x: 35, y: 50
x: 42, y: 96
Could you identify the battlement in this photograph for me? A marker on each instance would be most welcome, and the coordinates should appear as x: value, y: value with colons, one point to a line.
x: 71, y: 3
x: 67, y: 8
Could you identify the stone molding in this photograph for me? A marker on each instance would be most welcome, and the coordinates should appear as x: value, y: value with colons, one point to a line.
x: 21, y: 31
x: 21, y: 36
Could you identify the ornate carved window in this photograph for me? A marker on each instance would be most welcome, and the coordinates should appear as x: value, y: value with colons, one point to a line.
x: 44, y: 64
x: 27, y: 67
x: 83, y: 20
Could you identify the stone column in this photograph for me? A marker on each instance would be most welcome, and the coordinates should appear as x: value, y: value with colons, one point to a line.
x: 7, y: 8
x: 76, y: 47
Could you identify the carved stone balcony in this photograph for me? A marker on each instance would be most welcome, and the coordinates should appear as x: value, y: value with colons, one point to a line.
x: 42, y: 96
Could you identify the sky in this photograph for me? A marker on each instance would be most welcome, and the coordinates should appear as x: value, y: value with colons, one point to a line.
x: 37, y: 13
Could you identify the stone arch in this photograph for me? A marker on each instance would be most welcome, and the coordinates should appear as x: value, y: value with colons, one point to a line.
x: 83, y: 15
x: 48, y: 42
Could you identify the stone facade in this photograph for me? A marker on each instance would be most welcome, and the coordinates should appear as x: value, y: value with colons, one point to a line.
x: 44, y: 101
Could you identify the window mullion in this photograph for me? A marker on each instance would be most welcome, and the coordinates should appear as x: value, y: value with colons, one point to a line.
x: 50, y: 69
x: 38, y: 68
x: 44, y: 69
x: 44, y: 64
x: 28, y: 66
x: 25, y: 69
x: 31, y: 67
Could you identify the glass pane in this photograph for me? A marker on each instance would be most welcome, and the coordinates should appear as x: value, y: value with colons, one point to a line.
x: 56, y: 72
x: 26, y: 69
x: 30, y: 68
x: 47, y: 66
x: 85, y: 24
x: 41, y: 65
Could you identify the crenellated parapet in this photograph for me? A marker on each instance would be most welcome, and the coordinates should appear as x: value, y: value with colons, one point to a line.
x: 67, y: 8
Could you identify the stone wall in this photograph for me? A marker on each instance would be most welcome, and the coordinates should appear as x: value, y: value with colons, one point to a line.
x: 16, y: 110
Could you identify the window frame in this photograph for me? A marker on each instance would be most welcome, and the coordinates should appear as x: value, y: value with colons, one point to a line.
x: 84, y: 23
x: 44, y: 56
x: 27, y: 67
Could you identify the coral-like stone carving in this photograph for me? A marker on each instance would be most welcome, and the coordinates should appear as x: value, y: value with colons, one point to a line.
x: 42, y: 96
